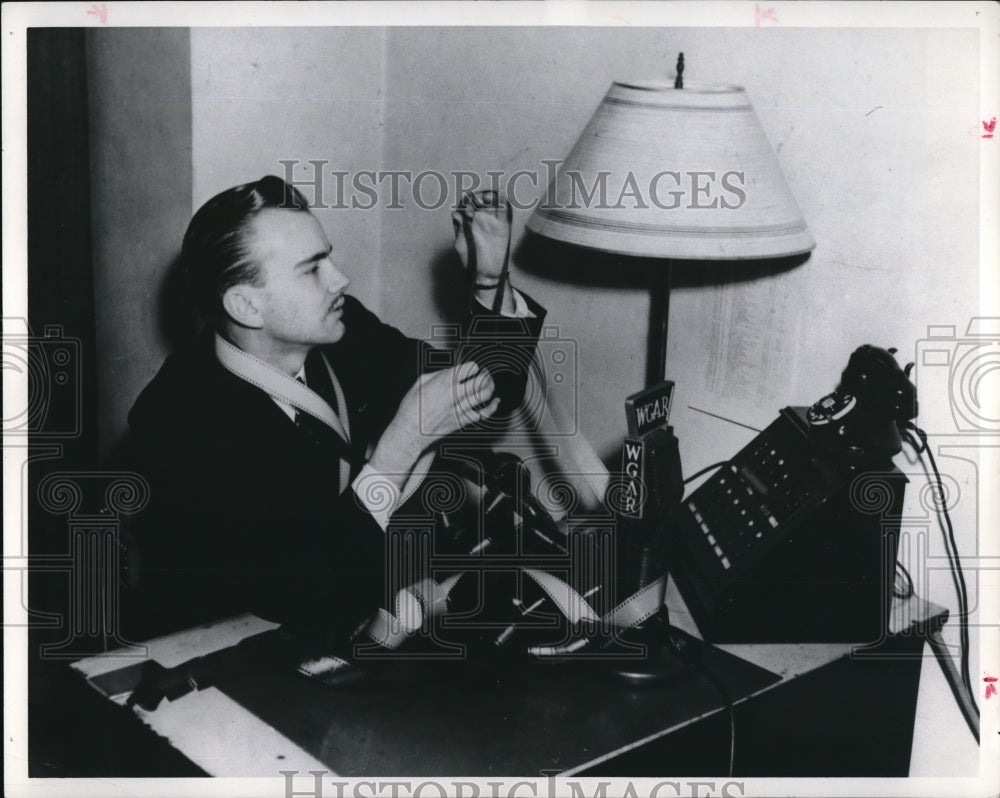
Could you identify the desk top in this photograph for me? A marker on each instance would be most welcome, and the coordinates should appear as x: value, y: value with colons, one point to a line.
x: 452, y: 717
x: 446, y: 717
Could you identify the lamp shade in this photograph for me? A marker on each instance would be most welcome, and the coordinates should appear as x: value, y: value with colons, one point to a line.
x: 673, y: 173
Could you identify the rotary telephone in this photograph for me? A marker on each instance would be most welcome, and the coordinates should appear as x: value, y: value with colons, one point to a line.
x: 860, y: 418
x: 794, y: 539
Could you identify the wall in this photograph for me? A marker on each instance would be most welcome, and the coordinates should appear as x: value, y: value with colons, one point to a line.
x: 263, y: 95
x: 140, y: 134
x: 506, y: 99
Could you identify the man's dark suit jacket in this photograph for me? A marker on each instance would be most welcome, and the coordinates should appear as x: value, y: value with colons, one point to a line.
x: 245, y: 513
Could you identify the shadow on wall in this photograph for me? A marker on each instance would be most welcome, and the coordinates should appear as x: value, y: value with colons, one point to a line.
x: 451, y: 286
x: 179, y: 321
x: 595, y: 271
x: 177, y: 324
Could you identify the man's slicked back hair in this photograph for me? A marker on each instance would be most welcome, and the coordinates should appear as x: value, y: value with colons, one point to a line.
x: 215, y: 251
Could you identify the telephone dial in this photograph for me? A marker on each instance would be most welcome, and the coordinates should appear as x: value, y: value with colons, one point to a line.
x: 860, y: 418
x: 794, y: 539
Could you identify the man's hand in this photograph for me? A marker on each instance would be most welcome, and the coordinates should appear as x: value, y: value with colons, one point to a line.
x: 452, y: 399
x: 481, y: 222
x: 437, y: 405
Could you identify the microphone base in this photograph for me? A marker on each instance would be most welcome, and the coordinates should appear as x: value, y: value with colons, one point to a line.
x: 662, y: 662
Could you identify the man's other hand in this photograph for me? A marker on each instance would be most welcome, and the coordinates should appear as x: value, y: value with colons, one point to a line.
x: 437, y: 405
x: 481, y: 222
x: 453, y: 399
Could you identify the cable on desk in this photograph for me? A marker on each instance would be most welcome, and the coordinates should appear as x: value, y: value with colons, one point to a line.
x: 964, y: 699
x: 949, y: 543
x: 721, y: 688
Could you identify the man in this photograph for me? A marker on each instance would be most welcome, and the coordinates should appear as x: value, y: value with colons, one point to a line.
x: 273, y: 497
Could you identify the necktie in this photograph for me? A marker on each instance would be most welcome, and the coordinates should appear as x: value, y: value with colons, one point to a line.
x: 318, y: 380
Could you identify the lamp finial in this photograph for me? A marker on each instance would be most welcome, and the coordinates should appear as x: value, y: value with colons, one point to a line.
x: 679, y: 80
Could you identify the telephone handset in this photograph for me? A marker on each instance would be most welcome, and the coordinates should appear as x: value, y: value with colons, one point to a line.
x: 777, y: 546
x: 860, y: 418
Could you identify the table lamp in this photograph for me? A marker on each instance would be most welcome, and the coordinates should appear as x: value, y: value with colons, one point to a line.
x: 665, y: 172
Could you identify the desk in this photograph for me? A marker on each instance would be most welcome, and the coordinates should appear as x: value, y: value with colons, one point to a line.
x: 801, y: 710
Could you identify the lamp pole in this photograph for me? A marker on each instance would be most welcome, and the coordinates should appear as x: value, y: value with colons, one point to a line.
x: 659, y: 297
x: 659, y: 318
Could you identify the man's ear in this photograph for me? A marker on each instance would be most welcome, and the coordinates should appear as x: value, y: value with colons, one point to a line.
x: 242, y: 305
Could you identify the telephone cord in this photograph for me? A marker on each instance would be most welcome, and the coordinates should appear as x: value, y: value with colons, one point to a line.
x: 951, y: 547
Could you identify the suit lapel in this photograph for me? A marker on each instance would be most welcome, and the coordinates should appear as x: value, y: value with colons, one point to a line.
x: 356, y: 398
x: 261, y: 415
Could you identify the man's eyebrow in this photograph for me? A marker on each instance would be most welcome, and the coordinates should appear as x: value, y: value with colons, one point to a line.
x: 316, y: 257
